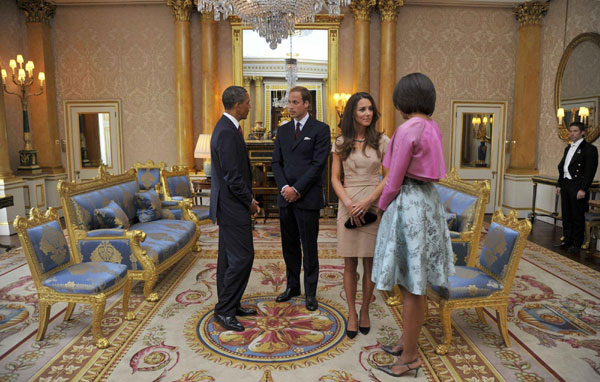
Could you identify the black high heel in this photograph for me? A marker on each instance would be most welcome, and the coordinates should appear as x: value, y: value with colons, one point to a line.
x: 365, y: 329
x: 351, y: 333
x: 388, y: 369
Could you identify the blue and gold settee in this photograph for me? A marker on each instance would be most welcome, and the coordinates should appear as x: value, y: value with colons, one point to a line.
x: 60, y: 275
x: 177, y: 186
x: 147, y: 240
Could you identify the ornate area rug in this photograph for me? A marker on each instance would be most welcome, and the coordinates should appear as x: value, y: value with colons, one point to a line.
x: 554, y: 319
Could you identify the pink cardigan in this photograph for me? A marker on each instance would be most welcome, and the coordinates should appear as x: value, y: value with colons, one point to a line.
x: 415, y: 151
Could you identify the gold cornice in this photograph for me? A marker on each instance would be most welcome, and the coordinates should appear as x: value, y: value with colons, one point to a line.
x: 361, y: 9
x: 389, y: 9
x: 37, y: 11
x: 182, y: 9
x: 530, y: 13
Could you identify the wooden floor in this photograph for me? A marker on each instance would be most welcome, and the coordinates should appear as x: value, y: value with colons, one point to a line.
x: 543, y: 234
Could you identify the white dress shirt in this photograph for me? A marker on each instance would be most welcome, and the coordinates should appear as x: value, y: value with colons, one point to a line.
x: 232, y: 118
x: 570, y: 153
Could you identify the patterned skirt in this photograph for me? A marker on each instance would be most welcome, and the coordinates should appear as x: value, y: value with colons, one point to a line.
x: 413, y: 242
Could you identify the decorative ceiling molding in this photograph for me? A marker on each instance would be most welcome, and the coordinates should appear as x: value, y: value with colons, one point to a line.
x: 458, y: 3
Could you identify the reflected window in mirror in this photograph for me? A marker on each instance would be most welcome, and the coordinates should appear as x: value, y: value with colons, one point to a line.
x: 476, y: 140
x: 94, y: 139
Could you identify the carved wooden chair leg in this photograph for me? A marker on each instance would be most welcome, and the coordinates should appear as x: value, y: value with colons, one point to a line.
x: 587, y: 236
x: 446, y: 329
x: 148, y: 285
x: 69, y: 311
x: 481, y: 315
x: 126, y: 295
x: 44, y: 317
x: 502, y: 318
x: 99, y: 305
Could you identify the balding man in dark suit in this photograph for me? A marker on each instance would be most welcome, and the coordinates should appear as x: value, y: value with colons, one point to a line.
x: 231, y: 204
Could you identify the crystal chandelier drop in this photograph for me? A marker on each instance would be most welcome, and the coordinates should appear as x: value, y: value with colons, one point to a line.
x: 274, y: 20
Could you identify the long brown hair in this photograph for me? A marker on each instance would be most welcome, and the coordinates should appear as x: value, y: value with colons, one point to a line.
x: 372, y: 136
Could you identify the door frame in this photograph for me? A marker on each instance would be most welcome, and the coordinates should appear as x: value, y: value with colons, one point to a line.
x: 500, y: 153
x: 93, y: 106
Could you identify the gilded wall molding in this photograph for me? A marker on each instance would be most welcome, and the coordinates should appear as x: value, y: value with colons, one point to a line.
x: 389, y: 9
x: 361, y: 9
x: 530, y: 13
x: 182, y: 9
x: 37, y: 11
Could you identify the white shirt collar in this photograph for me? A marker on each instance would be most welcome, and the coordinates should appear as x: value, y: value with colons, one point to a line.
x: 302, y: 121
x: 577, y: 143
x: 232, y: 118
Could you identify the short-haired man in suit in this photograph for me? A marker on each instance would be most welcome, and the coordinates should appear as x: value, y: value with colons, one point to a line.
x: 301, y: 150
x: 576, y: 172
x: 231, y: 204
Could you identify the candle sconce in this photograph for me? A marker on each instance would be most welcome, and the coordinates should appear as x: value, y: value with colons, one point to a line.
x: 23, y: 80
x: 340, y: 100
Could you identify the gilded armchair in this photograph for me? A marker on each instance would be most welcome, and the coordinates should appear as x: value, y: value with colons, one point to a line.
x: 60, y: 276
x: 487, y: 283
x: 148, y: 175
x: 592, y: 224
x: 177, y: 187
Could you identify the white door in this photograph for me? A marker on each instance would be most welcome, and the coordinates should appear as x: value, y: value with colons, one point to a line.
x: 477, y: 145
x: 93, y: 138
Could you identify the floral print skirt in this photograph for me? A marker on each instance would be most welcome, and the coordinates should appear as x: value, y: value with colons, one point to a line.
x: 413, y: 242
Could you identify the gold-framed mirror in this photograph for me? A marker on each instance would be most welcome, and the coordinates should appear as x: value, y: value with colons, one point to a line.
x: 577, y: 86
x: 322, y: 81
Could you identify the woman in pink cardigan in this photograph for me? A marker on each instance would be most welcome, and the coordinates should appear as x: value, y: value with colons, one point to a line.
x: 413, y: 242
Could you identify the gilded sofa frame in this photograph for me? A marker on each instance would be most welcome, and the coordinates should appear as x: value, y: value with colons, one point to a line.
x: 150, y: 271
x: 498, y: 300
x: 48, y: 296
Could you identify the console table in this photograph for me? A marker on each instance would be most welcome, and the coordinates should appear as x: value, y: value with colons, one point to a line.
x: 6, y: 201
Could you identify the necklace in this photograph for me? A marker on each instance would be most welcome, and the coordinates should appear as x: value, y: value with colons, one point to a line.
x: 359, y: 140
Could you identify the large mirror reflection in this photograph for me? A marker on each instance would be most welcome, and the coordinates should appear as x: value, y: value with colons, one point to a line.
x: 476, y: 140
x: 301, y: 59
x: 578, y: 85
x: 94, y: 139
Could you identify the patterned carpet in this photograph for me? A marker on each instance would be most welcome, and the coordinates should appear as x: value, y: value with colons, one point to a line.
x: 554, y: 319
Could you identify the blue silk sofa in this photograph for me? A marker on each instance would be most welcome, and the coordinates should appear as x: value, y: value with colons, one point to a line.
x: 158, y: 244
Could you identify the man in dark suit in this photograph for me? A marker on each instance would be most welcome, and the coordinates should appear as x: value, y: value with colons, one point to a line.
x: 301, y: 150
x: 576, y: 172
x: 231, y: 204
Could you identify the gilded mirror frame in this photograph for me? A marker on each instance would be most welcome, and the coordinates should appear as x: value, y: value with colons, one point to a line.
x: 593, y: 132
x: 323, y: 22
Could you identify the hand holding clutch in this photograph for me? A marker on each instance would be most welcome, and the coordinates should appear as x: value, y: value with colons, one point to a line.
x: 369, y: 217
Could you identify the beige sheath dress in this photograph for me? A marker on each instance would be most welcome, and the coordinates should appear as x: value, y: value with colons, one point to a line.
x: 361, y: 177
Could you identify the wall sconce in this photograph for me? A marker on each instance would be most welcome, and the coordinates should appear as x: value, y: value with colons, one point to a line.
x: 560, y: 113
x: 584, y: 114
x: 202, y: 150
x: 340, y: 100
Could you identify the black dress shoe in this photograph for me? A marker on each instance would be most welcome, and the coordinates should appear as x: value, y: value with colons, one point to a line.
x: 289, y: 293
x: 241, y: 311
x: 573, y: 249
x: 311, y: 303
x: 228, y: 322
x: 561, y: 245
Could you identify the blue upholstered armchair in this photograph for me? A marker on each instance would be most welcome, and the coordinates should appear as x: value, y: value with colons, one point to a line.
x: 61, y: 276
x: 148, y: 175
x: 487, y: 283
x: 177, y: 187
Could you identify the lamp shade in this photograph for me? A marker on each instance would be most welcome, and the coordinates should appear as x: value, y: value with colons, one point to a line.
x: 202, y: 146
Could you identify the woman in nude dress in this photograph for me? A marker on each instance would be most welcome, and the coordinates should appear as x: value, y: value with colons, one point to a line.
x: 360, y: 150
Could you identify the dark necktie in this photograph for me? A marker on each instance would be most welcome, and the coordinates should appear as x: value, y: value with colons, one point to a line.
x: 297, y: 129
x: 239, y: 129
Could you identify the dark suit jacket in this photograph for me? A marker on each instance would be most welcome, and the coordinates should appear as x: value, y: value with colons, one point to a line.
x: 231, y: 182
x: 582, y: 167
x: 300, y: 163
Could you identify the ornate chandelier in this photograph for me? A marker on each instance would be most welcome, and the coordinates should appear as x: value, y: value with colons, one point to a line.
x: 274, y: 20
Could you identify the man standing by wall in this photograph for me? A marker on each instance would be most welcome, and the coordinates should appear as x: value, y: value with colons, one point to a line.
x: 301, y: 150
x: 576, y: 172
x: 231, y: 204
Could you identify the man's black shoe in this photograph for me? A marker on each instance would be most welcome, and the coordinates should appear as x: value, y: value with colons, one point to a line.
x: 573, y: 250
x: 311, y: 303
x: 289, y: 293
x: 241, y: 311
x: 228, y: 322
x: 562, y: 244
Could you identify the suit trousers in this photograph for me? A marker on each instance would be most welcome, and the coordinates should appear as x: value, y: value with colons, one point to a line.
x: 234, y: 265
x: 299, y: 232
x: 573, y: 213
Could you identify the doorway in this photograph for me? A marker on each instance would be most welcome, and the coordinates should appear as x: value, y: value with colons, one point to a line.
x: 478, y: 131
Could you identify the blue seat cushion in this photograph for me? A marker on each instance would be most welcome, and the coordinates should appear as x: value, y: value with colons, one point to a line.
x: 201, y: 212
x: 87, y: 278
x: 468, y: 282
x: 111, y: 216
x: 165, y: 237
x: 148, y: 206
x: 592, y: 216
